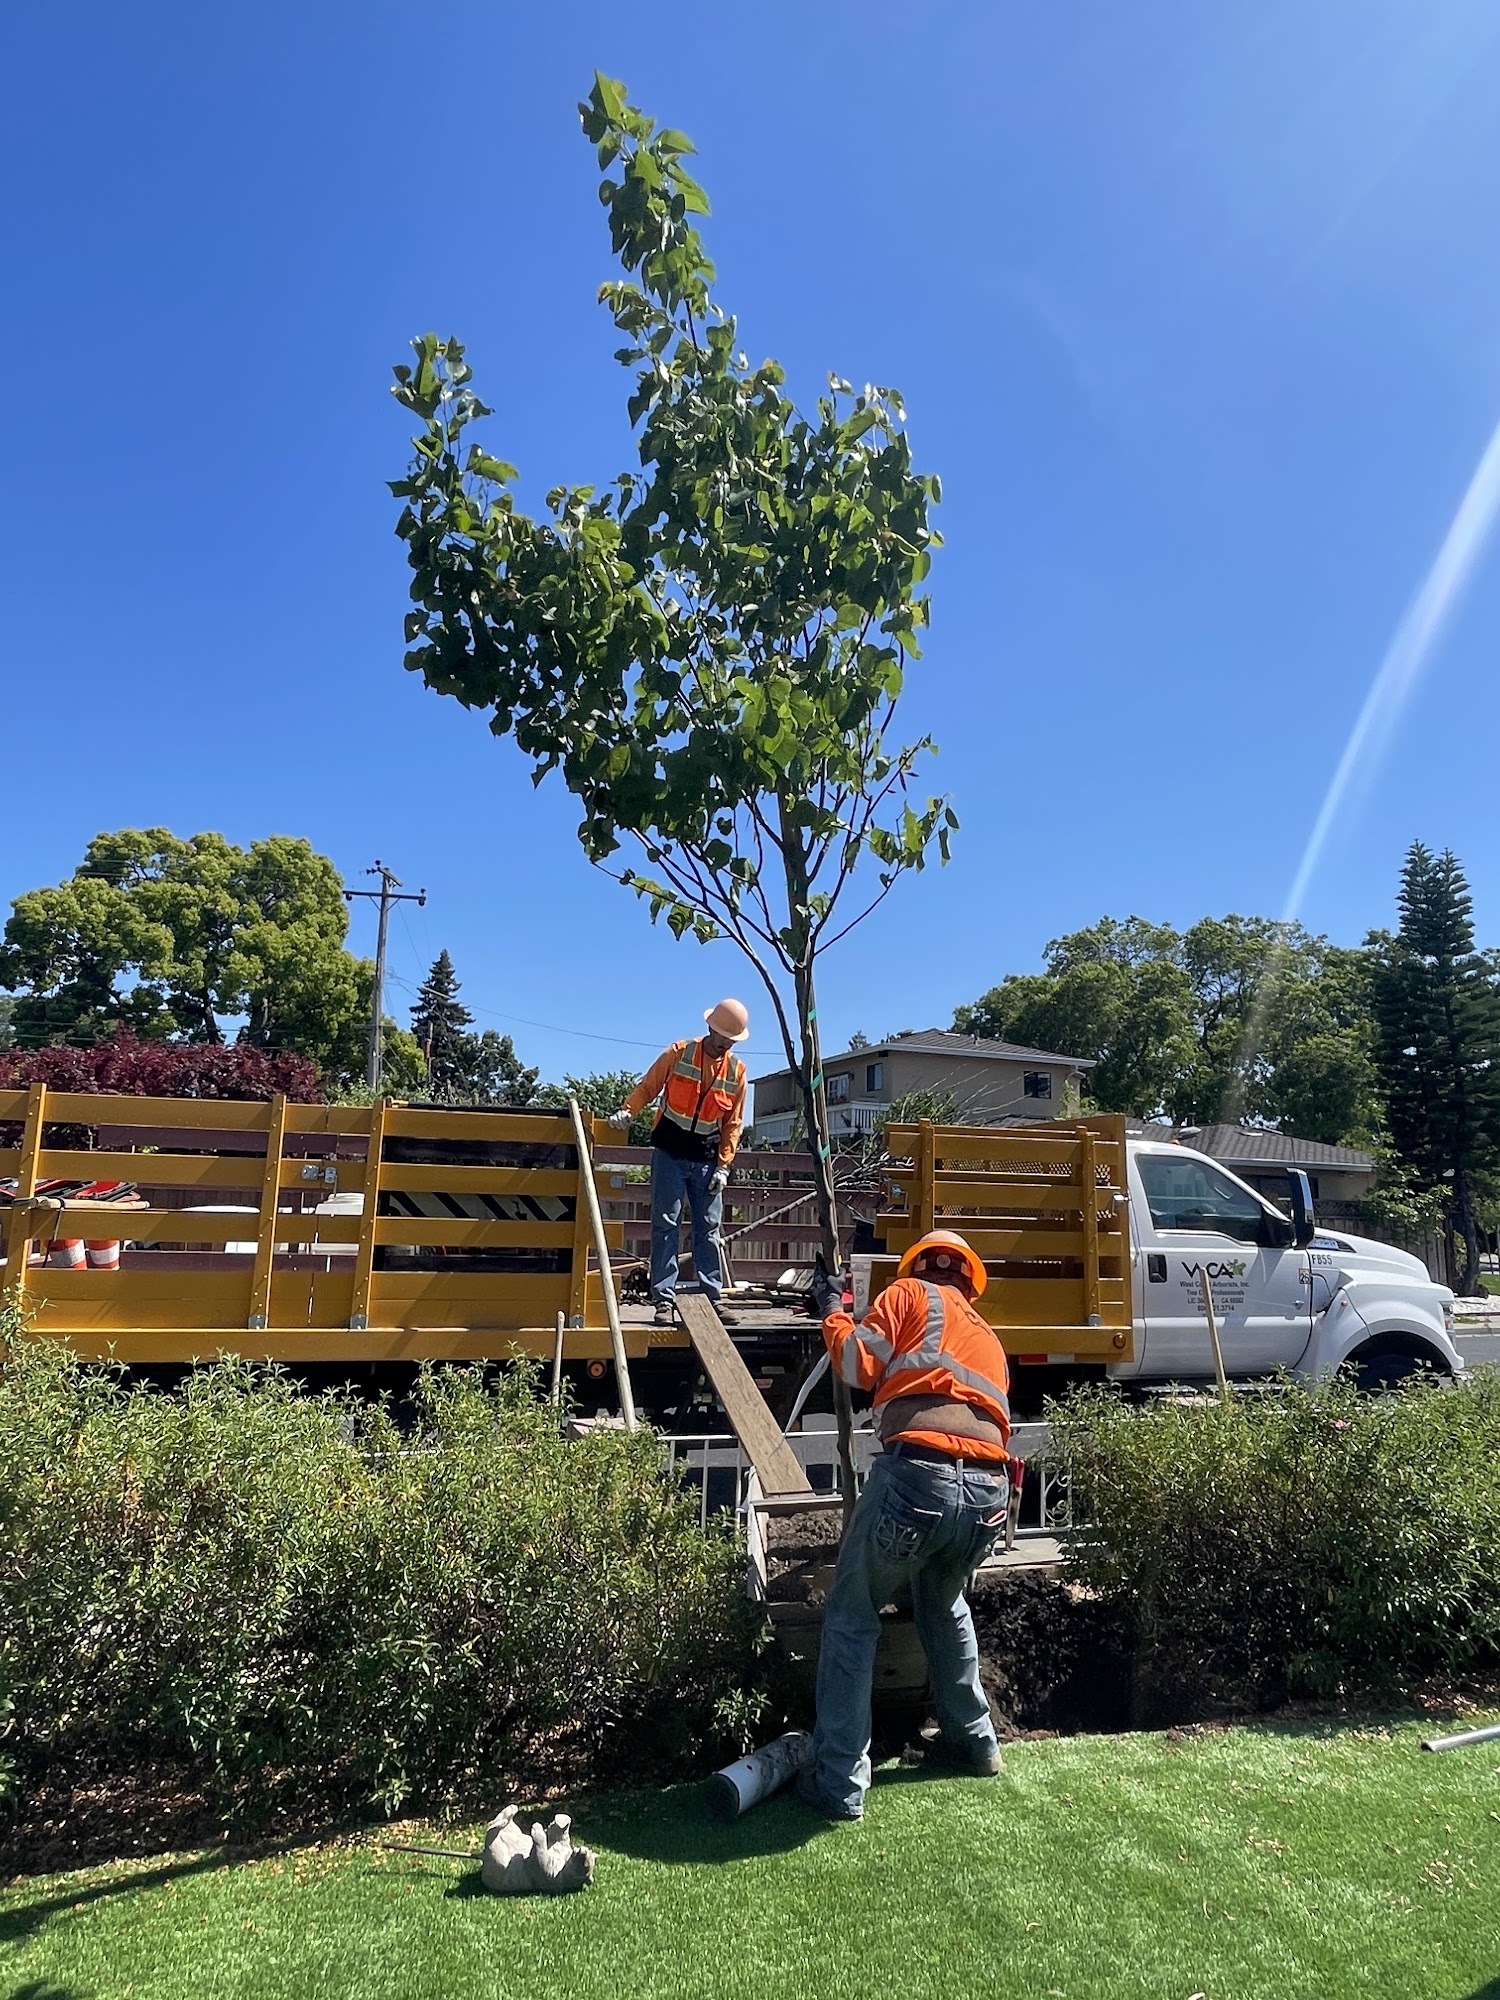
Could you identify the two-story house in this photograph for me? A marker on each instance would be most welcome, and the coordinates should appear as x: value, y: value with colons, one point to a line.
x: 990, y: 1083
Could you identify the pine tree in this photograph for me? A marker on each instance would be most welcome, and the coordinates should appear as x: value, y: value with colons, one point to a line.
x: 439, y: 1021
x: 1437, y: 1004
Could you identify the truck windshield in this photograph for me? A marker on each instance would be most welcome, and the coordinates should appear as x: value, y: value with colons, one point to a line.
x: 1190, y: 1194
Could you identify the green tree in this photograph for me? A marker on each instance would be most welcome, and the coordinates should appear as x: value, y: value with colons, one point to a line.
x: 1236, y: 1018
x: 710, y: 650
x: 462, y: 1067
x: 1116, y: 993
x: 939, y: 1107
x: 1437, y: 1003
x: 602, y: 1094
x: 1284, y: 1029
x: 178, y: 938
x: 492, y: 1072
x: 438, y: 1021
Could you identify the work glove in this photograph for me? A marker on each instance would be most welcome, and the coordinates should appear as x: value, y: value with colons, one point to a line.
x: 622, y: 1119
x: 718, y: 1180
x: 828, y: 1294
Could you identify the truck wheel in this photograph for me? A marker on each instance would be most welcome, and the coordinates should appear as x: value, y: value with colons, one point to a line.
x: 1385, y: 1365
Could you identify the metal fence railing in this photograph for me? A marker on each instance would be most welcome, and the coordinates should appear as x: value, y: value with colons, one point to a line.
x: 718, y: 1466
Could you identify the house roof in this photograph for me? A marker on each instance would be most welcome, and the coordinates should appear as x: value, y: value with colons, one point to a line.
x: 1250, y: 1147
x: 940, y: 1042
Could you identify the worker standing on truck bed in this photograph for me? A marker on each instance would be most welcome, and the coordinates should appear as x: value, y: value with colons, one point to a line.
x: 701, y: 1085
x: 930, y: 1512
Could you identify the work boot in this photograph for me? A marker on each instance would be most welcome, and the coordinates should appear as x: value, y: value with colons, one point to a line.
x: 966, y: 1760
x: 665, y: 1314
x: 812, y: 1794
x: 726, y: 1317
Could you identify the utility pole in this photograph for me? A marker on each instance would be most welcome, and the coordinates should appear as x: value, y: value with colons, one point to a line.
x: 385, y: 895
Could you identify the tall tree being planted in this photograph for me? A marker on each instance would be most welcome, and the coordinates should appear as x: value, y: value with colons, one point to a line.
x: 710, y: 649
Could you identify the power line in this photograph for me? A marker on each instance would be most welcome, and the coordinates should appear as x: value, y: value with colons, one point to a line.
x: 583, y: 1034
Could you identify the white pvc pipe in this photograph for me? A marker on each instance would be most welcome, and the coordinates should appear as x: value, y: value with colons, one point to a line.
x: 1464, y: 1738
x: 743, y: 1784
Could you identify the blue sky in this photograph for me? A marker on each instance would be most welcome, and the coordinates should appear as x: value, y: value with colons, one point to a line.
x: 1195, y: 308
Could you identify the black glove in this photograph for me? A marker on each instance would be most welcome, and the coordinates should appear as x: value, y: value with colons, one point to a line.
x: 828, y: 1295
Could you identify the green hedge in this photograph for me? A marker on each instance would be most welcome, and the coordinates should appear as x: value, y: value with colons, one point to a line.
x: 268, y: 1582
x: 1301, y: 1541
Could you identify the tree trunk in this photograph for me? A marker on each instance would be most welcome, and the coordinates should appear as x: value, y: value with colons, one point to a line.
x: 1466, y: 1227
x: 815, y: 1107
x: 815, y: 1103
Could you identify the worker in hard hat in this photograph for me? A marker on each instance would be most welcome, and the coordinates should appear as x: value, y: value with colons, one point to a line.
x: 701, y: 1085
x: 930, y: 1512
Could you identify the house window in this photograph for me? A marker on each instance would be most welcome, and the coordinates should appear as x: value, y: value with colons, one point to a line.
x: 838, y: 1089
x: 874, y: 1078
x: 1037, y: 1083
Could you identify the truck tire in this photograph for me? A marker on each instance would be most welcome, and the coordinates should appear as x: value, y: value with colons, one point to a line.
x: 1391, y: 1360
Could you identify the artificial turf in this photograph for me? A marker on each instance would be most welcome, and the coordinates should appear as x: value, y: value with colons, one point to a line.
x: 1315, y: 1859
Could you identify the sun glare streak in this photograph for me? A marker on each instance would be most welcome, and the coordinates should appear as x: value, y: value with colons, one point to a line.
x: 1409, y: 652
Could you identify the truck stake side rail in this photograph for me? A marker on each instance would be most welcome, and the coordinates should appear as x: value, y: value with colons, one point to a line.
x: 464, y: 1236
x: 1047, y: 1208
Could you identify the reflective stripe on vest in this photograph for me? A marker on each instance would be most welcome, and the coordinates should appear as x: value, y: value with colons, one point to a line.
x: 933, y: 1354
x: 691, y: 1086
x: 875, y: 1343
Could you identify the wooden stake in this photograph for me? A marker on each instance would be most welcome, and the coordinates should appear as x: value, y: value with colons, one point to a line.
x: 562, y: 1321
x: 1213, y: 1334
x: 601, y: 1250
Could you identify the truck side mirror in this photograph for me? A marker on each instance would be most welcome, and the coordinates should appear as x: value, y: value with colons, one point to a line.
x: 1304, y: 1222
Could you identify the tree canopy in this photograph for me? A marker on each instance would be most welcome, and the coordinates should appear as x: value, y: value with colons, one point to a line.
x: 710, y: 648
x: 600, y: 1093
x: 1234, y: 1018
x: 177, y: 938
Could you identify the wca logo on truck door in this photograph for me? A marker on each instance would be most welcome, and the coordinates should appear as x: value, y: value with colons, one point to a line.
x: 1225, y: 1278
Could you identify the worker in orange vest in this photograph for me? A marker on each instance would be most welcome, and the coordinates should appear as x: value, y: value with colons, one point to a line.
x: 931, y: 1511
x: 701, y: 1085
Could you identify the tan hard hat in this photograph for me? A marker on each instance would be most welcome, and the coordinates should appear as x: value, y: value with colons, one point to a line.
x: 729, y: 1018
x: 945, y: 1247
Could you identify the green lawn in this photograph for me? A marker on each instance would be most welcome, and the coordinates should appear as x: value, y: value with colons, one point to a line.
x: 1277, y: 1861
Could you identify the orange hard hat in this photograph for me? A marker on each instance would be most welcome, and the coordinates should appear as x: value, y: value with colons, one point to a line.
x: 945, y: 1247
x: 729, y: 1018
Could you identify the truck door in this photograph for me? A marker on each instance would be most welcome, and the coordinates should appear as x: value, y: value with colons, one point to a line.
x: 1200, y: 1221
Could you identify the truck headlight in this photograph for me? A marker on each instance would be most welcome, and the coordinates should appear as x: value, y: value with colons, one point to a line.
x: 1448, y: 1318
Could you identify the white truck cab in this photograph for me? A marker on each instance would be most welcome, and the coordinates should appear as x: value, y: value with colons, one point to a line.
x: 1286, y: 1293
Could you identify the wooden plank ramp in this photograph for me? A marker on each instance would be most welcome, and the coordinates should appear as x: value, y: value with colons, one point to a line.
x: 750, y: 1418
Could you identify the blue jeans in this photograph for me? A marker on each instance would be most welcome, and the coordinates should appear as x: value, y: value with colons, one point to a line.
x: 672, y: 1181
x: 924, y: 1524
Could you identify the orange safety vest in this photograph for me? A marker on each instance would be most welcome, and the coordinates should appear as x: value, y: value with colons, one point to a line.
x: 921, y: 1339
x: 700, y: 1093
